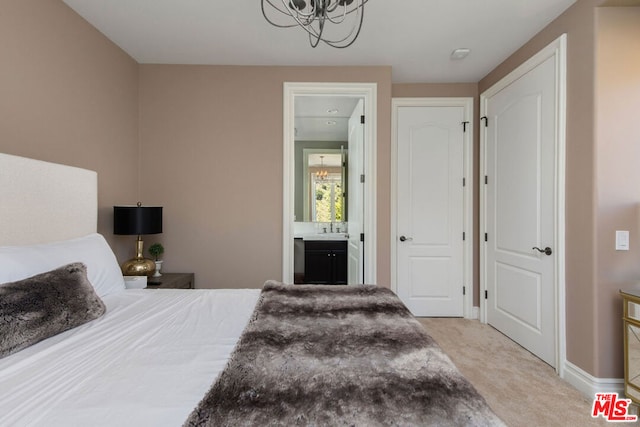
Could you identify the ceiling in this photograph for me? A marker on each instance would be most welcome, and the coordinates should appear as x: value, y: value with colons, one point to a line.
x: 414, y: 37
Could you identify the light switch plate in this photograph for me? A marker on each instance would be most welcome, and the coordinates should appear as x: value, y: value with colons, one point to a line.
x: 622, y: 240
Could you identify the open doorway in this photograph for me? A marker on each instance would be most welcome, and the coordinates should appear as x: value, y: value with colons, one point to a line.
x: 329, y: 180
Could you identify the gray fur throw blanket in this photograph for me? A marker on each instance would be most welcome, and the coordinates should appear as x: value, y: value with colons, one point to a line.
x: 338, y: 356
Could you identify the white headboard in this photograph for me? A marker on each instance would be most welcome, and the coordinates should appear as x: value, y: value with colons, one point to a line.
x: 44, y: 202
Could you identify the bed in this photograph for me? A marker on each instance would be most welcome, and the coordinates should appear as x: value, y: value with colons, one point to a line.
x: 280, y: 355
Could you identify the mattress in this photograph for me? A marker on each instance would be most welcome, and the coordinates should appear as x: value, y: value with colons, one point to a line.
x: 147, y: 362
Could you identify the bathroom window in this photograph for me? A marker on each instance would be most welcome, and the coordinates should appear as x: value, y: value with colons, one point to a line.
x: 329, y: 199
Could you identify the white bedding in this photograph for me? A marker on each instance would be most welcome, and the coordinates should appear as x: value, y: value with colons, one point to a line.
x: 147, y: 362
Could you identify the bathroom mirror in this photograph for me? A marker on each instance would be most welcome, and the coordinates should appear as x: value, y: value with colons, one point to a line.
x: 321, y: 157
x: 324, y: 185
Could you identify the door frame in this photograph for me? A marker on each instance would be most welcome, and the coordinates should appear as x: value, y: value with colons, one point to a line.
x: 368, y: 92
x: 467, y: 104
x: 557, y: 49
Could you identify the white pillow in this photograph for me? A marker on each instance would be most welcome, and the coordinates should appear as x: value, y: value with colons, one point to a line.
x: 20, y: 262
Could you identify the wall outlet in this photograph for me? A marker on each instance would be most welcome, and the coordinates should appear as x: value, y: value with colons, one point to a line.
x: 622, y: 240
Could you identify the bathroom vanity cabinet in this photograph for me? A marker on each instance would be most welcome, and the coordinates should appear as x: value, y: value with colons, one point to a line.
x: 325, y: 262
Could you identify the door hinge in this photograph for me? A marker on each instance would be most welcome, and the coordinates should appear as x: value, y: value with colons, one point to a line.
x: 362, y: 178
x: 362, y: 237
x: 486, y: 120
x: 486, y: 237
x: 362, y: 119
x: 464, y: 235
x: 486, y: 179
x: 486, y: 294
x: 464, y: 127
x: 464, y: 182
x: 464, y: 290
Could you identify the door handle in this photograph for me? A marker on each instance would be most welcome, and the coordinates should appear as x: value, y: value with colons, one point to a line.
x: 403, y: 238
x: 546, y: 251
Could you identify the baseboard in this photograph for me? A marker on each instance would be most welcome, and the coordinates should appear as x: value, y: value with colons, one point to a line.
x: 589, y: 385
x: 474, y: 315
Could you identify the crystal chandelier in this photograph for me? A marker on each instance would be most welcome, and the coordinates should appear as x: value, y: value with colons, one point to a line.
x: 313, y: 16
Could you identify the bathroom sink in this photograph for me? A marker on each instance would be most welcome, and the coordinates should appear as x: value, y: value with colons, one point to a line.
x: 326, y: 236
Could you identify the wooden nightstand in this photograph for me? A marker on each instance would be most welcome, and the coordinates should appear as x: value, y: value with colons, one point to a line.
x: 171, y: 281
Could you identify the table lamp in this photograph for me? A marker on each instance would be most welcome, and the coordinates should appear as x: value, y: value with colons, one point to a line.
x: 137, y: 220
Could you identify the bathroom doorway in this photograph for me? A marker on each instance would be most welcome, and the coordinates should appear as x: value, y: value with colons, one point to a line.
x: 329, y: 177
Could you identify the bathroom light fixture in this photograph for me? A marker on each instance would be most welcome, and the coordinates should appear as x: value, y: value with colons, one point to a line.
x: 312, y: 15
x: 322, y: 173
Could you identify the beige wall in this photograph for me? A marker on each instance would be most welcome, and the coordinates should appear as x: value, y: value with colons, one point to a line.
x: 618, y: 174
x: 435, y: 90
x: 211, y: 141
x: 69, y: 95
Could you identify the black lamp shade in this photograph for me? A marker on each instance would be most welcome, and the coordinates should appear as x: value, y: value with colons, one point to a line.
x: 132, y: 220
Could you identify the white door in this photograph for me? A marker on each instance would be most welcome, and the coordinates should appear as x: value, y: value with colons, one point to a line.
x: 520, y: 167
x: 355, y: 197
x: 430, y: 192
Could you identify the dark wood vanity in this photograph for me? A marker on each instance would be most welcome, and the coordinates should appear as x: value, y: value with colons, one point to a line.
x: 325, y: 262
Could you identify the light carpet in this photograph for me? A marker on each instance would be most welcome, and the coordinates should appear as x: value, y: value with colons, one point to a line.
x: 520, y: 388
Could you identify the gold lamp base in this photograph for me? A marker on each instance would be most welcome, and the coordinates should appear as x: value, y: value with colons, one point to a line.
x: 139, y: 266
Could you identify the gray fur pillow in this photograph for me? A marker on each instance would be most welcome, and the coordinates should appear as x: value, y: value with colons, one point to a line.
x: 45, y: 305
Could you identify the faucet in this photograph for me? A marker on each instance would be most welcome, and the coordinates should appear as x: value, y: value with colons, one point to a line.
x: 331, y: 225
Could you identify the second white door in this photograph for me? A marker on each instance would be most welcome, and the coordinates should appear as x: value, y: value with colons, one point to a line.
x: 430, y: 209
